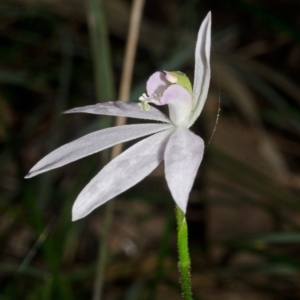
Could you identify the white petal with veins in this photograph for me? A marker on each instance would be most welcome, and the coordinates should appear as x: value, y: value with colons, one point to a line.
x: 123, y: 109
x: 183, y: 156
x: 92, y: 143
x: 121, y: 173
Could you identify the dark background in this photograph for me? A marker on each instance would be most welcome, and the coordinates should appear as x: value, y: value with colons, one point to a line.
x: 244, y: 210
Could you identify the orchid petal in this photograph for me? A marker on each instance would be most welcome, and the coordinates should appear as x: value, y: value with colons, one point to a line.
x: 156, y: 85
x: 202, y: 68
x: 179, y: 101
x: 123, y: 109
x: 183, y: 156
x: 92, y: 143
x: 121, y: 173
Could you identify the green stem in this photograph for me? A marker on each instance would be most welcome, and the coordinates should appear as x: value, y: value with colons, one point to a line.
x: 184, y: 257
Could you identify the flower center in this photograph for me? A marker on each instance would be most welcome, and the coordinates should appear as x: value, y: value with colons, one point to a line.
x: 172, y: 88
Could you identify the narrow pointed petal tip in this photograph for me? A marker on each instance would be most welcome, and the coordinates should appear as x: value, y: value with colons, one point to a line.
x: 30, y: 174
x: 75, y: 215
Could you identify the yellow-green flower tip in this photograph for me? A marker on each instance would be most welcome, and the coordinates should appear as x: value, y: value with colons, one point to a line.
x: 179, y: 78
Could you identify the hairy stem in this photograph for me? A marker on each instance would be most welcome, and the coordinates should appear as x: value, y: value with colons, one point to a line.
x: 184, y: 257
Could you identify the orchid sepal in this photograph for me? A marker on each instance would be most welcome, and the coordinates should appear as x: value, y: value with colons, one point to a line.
x: 202, y: 69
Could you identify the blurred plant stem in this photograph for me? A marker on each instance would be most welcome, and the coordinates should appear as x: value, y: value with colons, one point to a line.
x: 104, y: 83
x: 104, y: 90
x: 184, y: 256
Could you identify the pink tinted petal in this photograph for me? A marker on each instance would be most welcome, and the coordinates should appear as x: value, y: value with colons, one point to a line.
x: 183, y: 156
x: 179, y: 101
x: 156, y: 85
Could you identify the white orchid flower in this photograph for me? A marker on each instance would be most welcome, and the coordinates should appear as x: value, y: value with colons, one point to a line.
x: 171, y: 140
